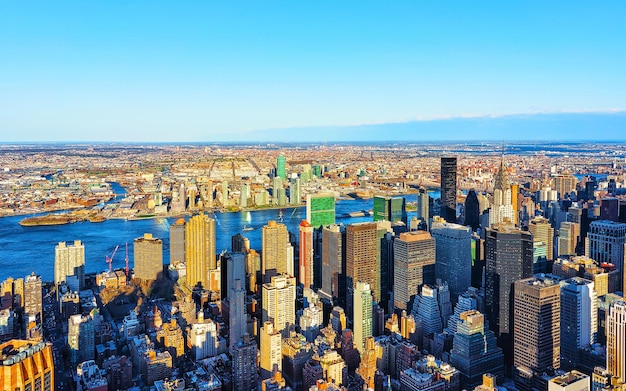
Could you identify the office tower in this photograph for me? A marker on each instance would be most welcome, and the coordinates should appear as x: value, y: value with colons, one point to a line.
x: 423, y: 206
x: 453, y: 255
x: 362, y: 314
x: 177, y: 242
x: 199, y: 250
x: 70, y: 261
x: 148, y: 256
x: 579, y: 319
x: 414, y: 265
x: 320, y: 209
x: 448, y: 189
x: 508, y: 258
x: 467, y: 301
x: 244, y: 355
x: 564, y: 185
x: 537, y: 328
x: 543, y: 232
x: 295, y: 195
x: 333, y: 257
x: 237, y: 313
x: 27, y: 366
x: 605, y: 244
x: 361, y: 258
x: 277, y: 252
x: 280, y: 167
x: 472, y: 210
x: 33, y: 297
x: 502, y: 208
x: 271, y: 352
x: 279, y: 301
x: 616, y: 339
x: 80, y: 338
x: 306, y: 254
x: 391, y: 209
x: 609, y: 209
x: 475, y: 350
x: 432, y: 309
x: 386, y: 270
x: 232, y: 268
x: 224, y: 193
x: 569, y: 234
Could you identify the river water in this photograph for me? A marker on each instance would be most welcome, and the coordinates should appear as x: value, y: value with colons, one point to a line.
x: 24, y: 250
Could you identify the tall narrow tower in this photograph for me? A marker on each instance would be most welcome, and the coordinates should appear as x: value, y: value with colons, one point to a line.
x: 362, y: 315
x: 361, y: 259
x: 616, y: 339
x: 306, y: 254
x: 277, y: 252
x: 502, y: 208
x: 448, y: 189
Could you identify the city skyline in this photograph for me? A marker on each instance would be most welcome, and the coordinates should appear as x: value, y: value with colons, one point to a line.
x: 221, y: 72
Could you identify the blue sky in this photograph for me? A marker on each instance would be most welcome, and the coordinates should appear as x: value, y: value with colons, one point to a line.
x: 198, y: 71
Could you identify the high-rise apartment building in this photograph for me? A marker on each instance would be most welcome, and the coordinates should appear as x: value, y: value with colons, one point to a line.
x: 508, y: 258
x: 27, y: 366
x: 200, y: 250
x: 414, y: 265
x: 244, y: 355
x: 502, y: 208
x: 579, y: 319
x: 70, y: 261
x: 33, y: 297
x: 277, y: 252
x: 320, y: 209
x: 616, y: 339
x: 271, y: 350
x: 361, y: 258
x: 148, y: 256
x: 475, y: 350
x: 537, y: 328
x: 543, y: 232
x: 605, y: 243
x: 448, y: 189
x: 279, y: 302
x: 177, y: 242
x: 453, y: 255
x: 280, y: 167
x: 564, y: 185
x: 362, y: 326
x: 80, y: 338
x: 569, y: 234
x: 306, y: 254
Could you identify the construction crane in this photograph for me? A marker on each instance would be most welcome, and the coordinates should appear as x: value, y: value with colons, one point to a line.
x: 110, y: 259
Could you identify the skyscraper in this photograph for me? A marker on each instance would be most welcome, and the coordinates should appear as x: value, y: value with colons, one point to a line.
x: 27, y: 366
x: 80, y: 338
x: 277, y: 252
x: 453, y: 255
x: 508, y: 258
x: 391, y: 209
x: 199, y: 250
x: 332, y: 262
x: 414, y: 265
x: 148, y: 256
x: 280, y: 167
x: 361, y: 259
x: 475, y: 350
x: 237, y: 314
x: 271, y: 352
x: 605, y: 244
x: 320, y: 209
x: 69, y: 261
x: 472, y: 210
x: 543, y: 232
x: 569, y: 234
x: 616, y: 339
x: 244, y: 373
x: 579, y: 319
x: 362, y: 314
x: 33, y: 297
x: 306, y: 254
x: 502, y: 208
x: 423, y: 206
x: 448, y: 189
x: 177, y: 242
x: 537, y: 324
x: 279, y: 302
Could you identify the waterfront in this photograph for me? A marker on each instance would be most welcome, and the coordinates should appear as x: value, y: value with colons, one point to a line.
x: 27, y: 249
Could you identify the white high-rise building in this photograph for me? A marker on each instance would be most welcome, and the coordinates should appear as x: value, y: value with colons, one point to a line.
x: 204, y: 339
x: 70, y: 261
x: 279, y: 301
x: 271, y: 350
x: 579, y: 318
x: 362, y: 326
x: 502, y: 207
x: 616, y: 339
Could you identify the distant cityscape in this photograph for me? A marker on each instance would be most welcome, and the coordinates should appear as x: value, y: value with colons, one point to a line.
x: 480, y: 266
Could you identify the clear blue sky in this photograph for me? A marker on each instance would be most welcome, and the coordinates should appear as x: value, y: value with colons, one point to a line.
x: 198, y: 71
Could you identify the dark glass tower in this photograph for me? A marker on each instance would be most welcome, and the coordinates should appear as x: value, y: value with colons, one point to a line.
x: 472, y: 210
x: 448, y: 189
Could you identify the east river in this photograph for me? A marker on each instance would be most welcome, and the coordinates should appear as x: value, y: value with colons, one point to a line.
x: 24, y: 250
